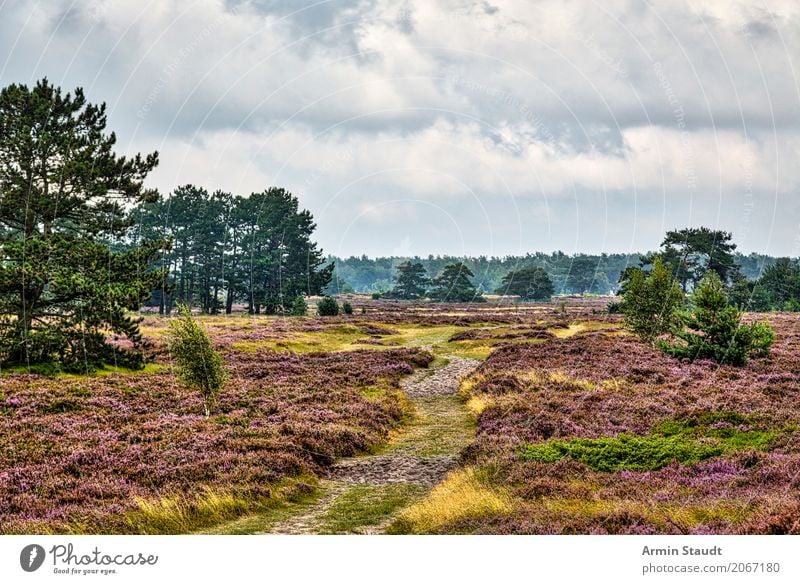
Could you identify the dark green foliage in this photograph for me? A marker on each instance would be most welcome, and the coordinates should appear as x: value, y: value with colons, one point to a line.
x: 376, y: 295
x: 454, y: 285
x: 652, y: 302
x: 197, y: 364
x: 299, y: 306
x: 347, y: 308
x: 750, y: 296
x: 569, y: 273
x: 338, y: 286
x: 64, y: 285
x: 780, y: 284
x: 531, y: 283
x: 328, y: 306
x: 715, y: 330
x: 410, y: 281
x: 585, y: 275
x: 692, y: 252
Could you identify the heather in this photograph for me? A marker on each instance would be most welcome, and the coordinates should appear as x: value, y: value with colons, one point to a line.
x: 598, y: 432
x: 101, y: 454
x: 566, y: 424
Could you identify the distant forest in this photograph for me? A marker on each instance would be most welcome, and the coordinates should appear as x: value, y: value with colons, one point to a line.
x: 571, y: 274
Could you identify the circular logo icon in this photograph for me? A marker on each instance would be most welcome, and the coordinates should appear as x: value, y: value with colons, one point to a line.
x: 31, y: 557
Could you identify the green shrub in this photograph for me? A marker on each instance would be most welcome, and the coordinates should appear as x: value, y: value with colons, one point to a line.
x: 347, y: 308
x: 197, y: 364
x: 299, y: 306
x: 328, y: 306
x: 376, y: 295
x: 715, y: 329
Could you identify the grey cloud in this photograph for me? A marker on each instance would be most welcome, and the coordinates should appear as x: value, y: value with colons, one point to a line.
x: 572, y: 78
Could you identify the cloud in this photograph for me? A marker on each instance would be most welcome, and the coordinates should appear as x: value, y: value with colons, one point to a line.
x: 659, y: 113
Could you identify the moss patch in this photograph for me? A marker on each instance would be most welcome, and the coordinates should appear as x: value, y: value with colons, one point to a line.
x: 686, y: 441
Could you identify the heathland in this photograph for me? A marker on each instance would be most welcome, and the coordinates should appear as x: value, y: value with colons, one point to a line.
x: 411, y: 418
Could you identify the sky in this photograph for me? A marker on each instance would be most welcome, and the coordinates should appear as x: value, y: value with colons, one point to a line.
x: 460, y: 127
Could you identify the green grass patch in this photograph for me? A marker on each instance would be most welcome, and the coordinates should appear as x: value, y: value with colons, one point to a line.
x: 439, y: 425
x: 366, y: 505
x: 685, y: 441
x: 269, y: 513
x: 352, y: 337
x: 623, y: 452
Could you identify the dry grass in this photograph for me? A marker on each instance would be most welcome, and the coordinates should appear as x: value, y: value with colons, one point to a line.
x: 186, y: 514
x: 462, y: 495
x: 477, y: 404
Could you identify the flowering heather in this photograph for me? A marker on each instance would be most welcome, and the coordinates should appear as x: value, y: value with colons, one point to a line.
x: 600, y: 433
x: 76, y: 453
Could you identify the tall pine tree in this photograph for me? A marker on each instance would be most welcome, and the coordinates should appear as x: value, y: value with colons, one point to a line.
x: 64, y: 201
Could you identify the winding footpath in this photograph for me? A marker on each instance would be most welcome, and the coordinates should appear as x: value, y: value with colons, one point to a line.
x: 417, y: 458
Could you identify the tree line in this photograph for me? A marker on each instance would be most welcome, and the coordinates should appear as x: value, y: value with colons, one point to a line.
x: 569, y: 273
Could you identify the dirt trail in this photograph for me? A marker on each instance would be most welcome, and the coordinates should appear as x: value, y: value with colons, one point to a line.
x: 410, y: 464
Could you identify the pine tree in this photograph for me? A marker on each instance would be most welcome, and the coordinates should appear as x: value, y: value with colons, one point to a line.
x: 454, y: 285
x: 532, y: 283
x: 63, y: 211
x: 410, y: 281
x: 715, y: 330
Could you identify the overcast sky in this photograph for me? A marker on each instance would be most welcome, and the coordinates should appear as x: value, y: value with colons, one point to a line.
x: 451, y: 126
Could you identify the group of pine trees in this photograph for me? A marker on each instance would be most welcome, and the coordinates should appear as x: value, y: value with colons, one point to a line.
x: 84, y: 243
x: 227, y: 249
x: 453, y: 284
x: 706, y: 325
x: 691, y: 253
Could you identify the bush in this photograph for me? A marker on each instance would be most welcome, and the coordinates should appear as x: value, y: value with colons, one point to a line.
x: 652, y: 302
x: 376, y: 295
x: 328, y: 306
x: 347, y: 308
x: 715, y: 329
x: 197, y: 364
x: 299, y: 306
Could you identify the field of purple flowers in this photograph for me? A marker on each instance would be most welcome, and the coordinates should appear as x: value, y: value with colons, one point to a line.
x: 581, y: 428
x: 92, y: 454
x: 600, y: 433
